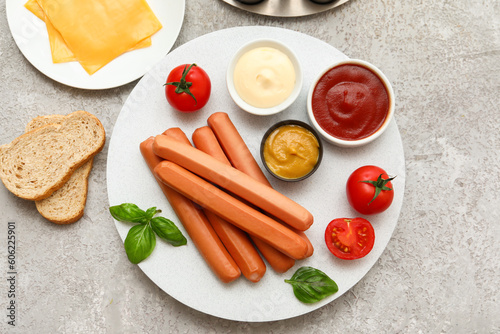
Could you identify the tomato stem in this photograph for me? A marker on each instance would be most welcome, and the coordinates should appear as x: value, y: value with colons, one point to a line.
x: 379, y: 185
x: 182, y: 86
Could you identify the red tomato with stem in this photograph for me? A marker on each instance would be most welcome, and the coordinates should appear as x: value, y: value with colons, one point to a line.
x: 349, y: 238
x: 188, y: 88
x: 369, y: 190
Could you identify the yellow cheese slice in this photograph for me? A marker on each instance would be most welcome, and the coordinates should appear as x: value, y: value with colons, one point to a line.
x: 33, y: 7
x: 58, y: 48
x: 96, y: 31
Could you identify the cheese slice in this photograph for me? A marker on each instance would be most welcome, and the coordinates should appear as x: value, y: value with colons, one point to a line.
x: 58, y: 48
x: 33, y: 7
x: 98, y: 31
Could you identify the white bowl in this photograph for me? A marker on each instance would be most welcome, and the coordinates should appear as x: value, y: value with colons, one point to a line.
x: 356, y: 142
x: 264, y: 43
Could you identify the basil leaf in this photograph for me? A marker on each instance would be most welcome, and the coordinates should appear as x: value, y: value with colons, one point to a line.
x: 151, y: 212
x: 128, y: 212
x: 139, y: 243
x: 141, y: 239
x: 167, y: 230
x: 311, y: 285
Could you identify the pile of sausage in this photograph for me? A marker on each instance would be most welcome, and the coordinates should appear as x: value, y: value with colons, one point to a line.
x: 240, y: 212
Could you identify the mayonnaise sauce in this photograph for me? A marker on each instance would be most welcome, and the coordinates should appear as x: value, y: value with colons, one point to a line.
x: 264, y: 77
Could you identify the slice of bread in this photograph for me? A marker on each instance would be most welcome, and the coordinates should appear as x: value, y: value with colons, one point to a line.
x: 67, y: 204
x: 39, y: 162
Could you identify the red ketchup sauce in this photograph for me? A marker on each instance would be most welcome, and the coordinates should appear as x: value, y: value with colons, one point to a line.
x: 350, y: 102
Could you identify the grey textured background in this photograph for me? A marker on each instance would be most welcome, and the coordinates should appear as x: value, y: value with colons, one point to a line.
x: 439, y: 273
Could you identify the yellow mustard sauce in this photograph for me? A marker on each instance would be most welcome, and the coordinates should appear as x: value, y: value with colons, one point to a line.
x: 264, y: 77
x: 291, y: 151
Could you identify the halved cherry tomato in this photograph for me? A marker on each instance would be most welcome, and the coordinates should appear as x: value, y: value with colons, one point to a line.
x: 188, y: 88
x: 369, y: 190
x: 349, y: 238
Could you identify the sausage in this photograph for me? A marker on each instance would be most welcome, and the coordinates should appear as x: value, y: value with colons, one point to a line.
x: 177, y: 134
x: 234, y: 146
x: 236, y: 241
x: 205, y: 140
x: 196, y: 224
x: 239, y: 155
x: 231, y: 209
x: 239, y: 246
x: 233, y: 180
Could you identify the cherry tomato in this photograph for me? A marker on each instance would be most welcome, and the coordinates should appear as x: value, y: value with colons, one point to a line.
x: 349, y: 238
x: 188, y: 88
x: 369, y: 190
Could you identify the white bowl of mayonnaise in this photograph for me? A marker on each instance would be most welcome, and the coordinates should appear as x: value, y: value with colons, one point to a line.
x: 264, y: 77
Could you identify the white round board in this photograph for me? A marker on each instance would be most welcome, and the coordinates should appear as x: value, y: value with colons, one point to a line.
x: 30, y: 35
x: 181, y: 271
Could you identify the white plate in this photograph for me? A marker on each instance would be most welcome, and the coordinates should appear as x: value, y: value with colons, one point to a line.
x: 181, y: 272
x: 31, y: 37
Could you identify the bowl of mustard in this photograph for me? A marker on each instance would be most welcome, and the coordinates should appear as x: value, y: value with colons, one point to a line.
x: 291, y: 150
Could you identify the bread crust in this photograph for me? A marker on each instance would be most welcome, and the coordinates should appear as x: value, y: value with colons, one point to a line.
x: 67, y: 204
x: 28, y: 164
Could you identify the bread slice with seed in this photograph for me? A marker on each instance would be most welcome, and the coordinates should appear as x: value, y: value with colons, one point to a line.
x: 67, y: 204
x: 39, y: 162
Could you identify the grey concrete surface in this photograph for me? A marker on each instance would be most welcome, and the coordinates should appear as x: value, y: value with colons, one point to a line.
x: 441, y: 270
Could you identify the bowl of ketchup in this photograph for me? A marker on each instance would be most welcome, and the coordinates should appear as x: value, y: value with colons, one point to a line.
x: 351, y: 103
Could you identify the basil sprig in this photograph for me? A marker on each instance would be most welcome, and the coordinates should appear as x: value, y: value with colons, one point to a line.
x: 311, y: 285
x: 141, y: 239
